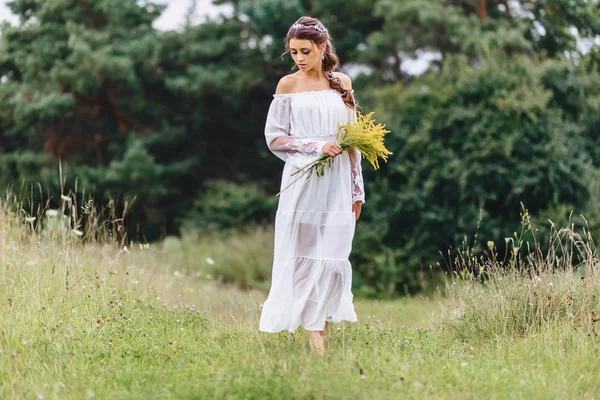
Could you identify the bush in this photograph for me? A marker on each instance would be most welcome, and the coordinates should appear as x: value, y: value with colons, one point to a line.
x: 470, y: 145
x: 226, y: 205
x: 241, y: 257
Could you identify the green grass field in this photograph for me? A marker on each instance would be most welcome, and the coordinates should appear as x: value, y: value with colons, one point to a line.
x: 155, y: 322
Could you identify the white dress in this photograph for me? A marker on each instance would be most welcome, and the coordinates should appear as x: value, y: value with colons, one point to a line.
x: 314, y: 225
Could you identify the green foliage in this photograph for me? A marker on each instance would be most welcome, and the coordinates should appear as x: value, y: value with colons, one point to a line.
x: 227, y: 205
x: 133, y: 113
x: 482, y: 140
x: 561, y: 23
x: 462, y: 30
x: 240, y: 257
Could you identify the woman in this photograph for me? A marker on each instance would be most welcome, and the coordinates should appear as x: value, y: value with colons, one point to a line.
x: 312, y: 277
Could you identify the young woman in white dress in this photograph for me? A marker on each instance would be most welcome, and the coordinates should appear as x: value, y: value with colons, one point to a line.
x: 314, y: 226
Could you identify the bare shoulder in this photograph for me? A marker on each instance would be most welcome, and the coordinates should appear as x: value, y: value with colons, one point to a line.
x: 346, y: 81
x: 286, y: 84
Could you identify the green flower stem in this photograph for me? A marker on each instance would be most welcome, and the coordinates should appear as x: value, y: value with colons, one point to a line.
x: 318, y: 164
x: 296, y: 180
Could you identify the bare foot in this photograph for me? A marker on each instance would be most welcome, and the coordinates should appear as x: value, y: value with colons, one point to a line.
x: 327, y: 331
x: 316, y: 342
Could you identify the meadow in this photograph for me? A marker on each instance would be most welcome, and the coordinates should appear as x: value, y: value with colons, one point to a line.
x: 83, y: 319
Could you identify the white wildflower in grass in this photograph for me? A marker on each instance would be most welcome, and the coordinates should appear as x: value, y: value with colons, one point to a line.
x: 490, y: 245
x: 210, y: 261
x: 88, y: 206
x: 550, y: 284
x: 51, y: 213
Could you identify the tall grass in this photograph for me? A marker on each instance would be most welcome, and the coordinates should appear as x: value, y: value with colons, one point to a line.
x: 242, y: 256
x: 101, y: 318
x: 532, y: 287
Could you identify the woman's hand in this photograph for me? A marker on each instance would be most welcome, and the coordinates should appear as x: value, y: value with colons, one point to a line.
x: 332, y: 149
x: 356, y: 208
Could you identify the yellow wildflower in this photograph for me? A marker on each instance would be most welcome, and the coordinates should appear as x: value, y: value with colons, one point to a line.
x: 364, y: 135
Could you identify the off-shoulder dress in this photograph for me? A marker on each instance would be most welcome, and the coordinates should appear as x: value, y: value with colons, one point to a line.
x: 314, y: 225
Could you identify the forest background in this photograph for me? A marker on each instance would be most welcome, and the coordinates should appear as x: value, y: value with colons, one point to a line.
x: 167, y: 126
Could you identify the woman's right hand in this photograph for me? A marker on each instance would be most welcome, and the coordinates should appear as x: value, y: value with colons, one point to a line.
x: 332, y: 149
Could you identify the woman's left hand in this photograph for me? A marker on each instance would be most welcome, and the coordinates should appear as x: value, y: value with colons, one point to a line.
x: 356, y: 208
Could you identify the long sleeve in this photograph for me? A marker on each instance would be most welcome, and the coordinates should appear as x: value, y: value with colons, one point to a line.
x: 277, y: 135
x: 358, y: 186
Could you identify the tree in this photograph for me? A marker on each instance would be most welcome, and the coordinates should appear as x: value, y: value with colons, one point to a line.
x: 470, y: 29
x: 468, y: 145
x: 131, y: 112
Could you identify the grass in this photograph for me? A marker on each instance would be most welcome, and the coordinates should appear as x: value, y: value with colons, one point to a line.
x: 84, y: 321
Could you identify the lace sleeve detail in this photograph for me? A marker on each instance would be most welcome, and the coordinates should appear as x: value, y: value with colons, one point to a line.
x: 358, y: 187
x: 306, y: 147
x: 277, y: 134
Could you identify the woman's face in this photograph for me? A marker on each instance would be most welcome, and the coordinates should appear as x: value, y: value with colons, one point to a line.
x: 306, y: 54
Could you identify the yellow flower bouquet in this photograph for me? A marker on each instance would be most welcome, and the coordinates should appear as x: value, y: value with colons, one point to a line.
x: 364, y: 134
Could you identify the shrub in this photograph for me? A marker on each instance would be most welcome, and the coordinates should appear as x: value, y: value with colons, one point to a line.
x: 243, y: 257
x: 470, y: 144
x: 227, y: 205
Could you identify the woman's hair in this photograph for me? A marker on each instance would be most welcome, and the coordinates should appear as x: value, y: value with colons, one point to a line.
x: 312, y: 29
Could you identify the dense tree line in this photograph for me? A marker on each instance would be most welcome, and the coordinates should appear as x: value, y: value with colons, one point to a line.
x: 506, y: 112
